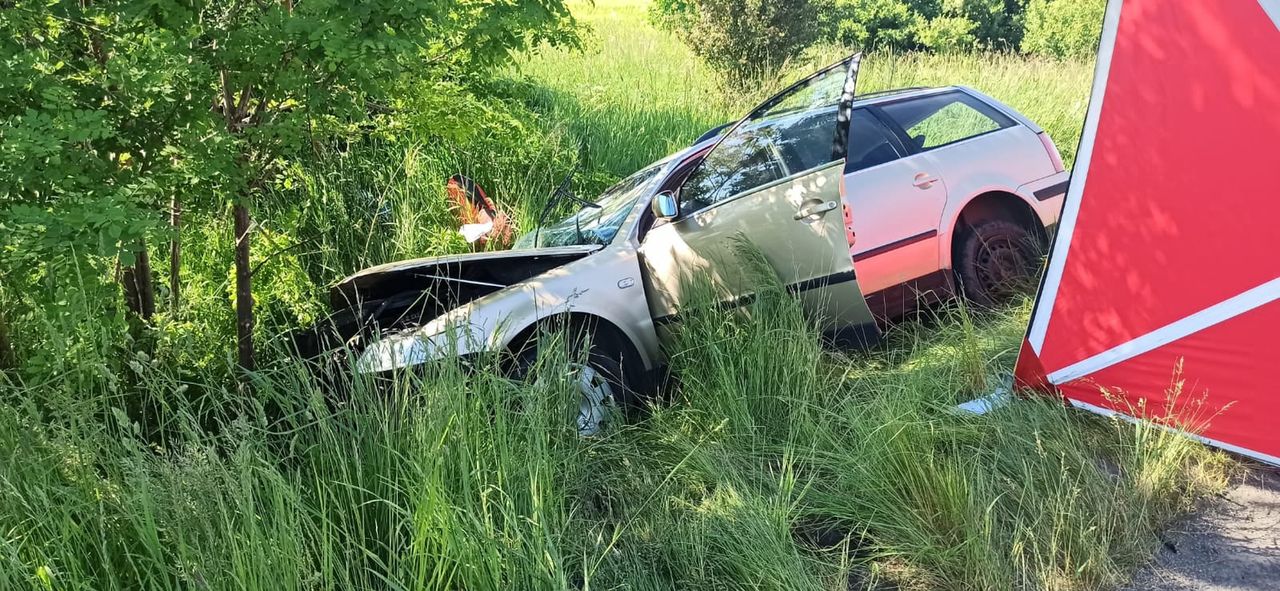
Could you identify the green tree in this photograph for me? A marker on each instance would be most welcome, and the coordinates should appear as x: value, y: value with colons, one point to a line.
x: 941, y: 25
x: 1063, y: 28
x: 748, y: 39
x: 86, y: 129
x: 675, y: 15
x: 871, y: 24
x: 946, y: 33
x: 110, y: 110
x: 997, y: 24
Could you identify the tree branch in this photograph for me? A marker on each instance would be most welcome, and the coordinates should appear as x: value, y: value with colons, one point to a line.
x: 277, y: 253
x: 447, y: 52
x: 256, y: 117
x: 228, y: 103
x: 241, y: 238
x: 242, y: 104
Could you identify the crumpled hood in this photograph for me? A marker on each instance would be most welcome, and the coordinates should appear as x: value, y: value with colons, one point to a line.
x: 481, y: 270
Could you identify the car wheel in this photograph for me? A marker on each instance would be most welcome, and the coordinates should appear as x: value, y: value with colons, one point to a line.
x: 599, y: 394
x: 602, y: 387
x: 996, y: 261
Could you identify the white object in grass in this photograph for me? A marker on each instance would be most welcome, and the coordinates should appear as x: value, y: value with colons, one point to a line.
x: 474, y: 232
x: 986, y: 404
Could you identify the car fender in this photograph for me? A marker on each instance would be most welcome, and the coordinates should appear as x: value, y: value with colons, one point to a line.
x: 600, y: 285
x: 513, y: 316
x: 606, y: 285
x: 973, y: 187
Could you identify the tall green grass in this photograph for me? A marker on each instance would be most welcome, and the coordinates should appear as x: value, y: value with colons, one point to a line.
x: 777, y: 465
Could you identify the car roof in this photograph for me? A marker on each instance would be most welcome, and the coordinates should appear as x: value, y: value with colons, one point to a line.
x: 891, y: 92
x: 888, y: 96
x: 882, y: 97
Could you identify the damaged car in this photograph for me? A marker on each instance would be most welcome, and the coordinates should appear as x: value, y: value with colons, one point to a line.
x: 865, y: 207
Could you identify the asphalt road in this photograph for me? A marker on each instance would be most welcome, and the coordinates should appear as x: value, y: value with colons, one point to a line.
x: 1232, y: 543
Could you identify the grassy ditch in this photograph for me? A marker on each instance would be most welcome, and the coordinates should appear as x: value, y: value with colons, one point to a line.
x: 778, y: 465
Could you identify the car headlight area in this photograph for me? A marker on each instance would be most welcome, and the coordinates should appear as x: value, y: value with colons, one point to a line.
x: 435, y: 340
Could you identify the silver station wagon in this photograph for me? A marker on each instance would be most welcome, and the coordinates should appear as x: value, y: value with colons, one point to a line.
x: 865, y: 207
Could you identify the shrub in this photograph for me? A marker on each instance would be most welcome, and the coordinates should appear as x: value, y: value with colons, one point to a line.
x: 946, y: 33
x: 1052, y: 27
x: 675, y: 15
x: 746, y: 39
x: 996, y: 24
x: 873, y: 23
x: 944, y: 25
x: 1063, y: 28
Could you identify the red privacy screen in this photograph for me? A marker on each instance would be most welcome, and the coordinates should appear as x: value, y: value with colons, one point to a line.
x: 1168, y: 253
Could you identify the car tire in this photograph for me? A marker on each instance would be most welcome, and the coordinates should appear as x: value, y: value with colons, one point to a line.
x: 604, y: 387
x: 996, y: 261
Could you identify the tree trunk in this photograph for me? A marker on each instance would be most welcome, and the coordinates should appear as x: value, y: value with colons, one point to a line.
x: 244, y: 292
x: 139, y: 293
x: 233, y: 112
x: 129, y: 282
x: 175, y: 253
x: 146, y: 287
x: 7, y: 358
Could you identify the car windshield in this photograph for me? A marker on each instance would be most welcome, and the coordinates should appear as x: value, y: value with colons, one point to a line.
x: 591, y: 225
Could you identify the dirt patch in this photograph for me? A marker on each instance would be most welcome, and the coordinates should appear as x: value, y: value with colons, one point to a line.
x: 1230, y: 543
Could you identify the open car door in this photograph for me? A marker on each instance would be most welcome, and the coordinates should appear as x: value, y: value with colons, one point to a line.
x: 773, y: 181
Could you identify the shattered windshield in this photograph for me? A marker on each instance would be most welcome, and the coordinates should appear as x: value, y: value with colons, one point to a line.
x: 591, y: 225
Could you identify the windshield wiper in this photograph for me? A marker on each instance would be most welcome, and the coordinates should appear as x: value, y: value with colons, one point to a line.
x: 577, y: 220
x: 564, y: 191
x: 556, y: 195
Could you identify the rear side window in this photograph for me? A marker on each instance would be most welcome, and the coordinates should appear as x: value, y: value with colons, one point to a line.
x: 942, y: 119
x: 870, y: 142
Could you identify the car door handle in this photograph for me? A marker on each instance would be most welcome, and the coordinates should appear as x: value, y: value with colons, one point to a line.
x: 818, y: 209
x: 924, y: 180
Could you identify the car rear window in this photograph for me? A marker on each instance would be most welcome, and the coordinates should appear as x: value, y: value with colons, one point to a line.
x: 941, y: 119
x: 870, y: 142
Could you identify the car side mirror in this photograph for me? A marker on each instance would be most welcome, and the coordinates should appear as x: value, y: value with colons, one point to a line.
x: 665, y: 206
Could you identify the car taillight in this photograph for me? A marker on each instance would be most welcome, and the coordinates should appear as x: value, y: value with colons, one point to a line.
x: 1054, y: 157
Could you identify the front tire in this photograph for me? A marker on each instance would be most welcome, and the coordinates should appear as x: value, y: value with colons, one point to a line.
x: 600, y: 393
x: 603, y: 387
x: 996, y: 260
